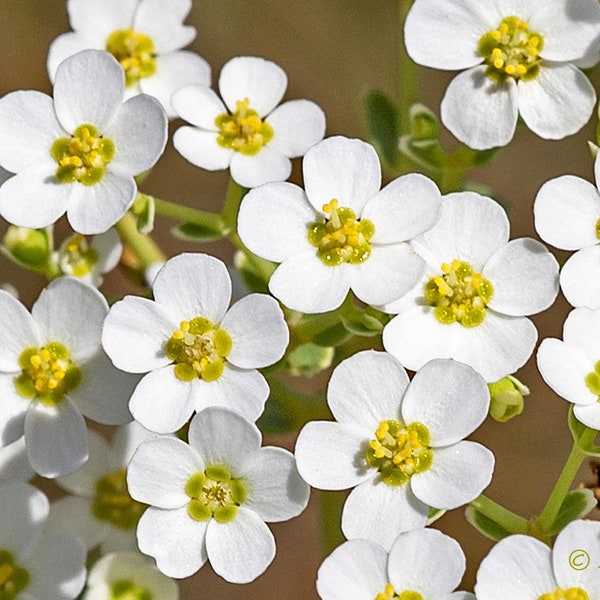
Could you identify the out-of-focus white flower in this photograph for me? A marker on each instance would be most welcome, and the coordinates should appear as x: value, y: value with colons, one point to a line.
x: 14, y: 464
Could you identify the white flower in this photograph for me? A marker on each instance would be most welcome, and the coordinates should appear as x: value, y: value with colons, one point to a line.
x: 79, y: 152
x: 53, y: 371
x: 522, y: 567
x: 146, y: 38
x: 101, y: 511
x: 477, y: 289
x: 247, y: 132
x: 14, y: 465
x: 343, y: 233
x: 398, y: 445
x: 210, y: 499
x: 199, y: 351
x: 35, y: 565
x: 518, y: 59
x: 572, y: 367
x: 567, y: 215
x: 128, y: 575
x: 422, y: 564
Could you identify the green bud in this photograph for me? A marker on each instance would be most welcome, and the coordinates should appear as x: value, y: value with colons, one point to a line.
x: 507, y: 398
x: 309, y: 359
x: 29, y: 248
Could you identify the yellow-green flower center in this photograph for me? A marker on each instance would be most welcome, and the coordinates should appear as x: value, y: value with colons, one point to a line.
x: 77, y: 257
x: 341, y: 237
x: 113, y: 503
x: 511, y: 50
x: 126, y: 589
x: 83, y: 156
x: 570, y: 594
x: 47, y: 373
x: 390, y: 594
x: 592, y: 380
x: 399, y: 451
x: 13, y: 578
x: 243, y: 131
x: 199, y: 349
x: 459, y: 295
x: 135, y: 52
x: 598, y: 229
x: 215, y: 493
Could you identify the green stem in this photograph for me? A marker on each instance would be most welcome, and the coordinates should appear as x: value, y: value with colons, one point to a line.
x: 186, y: 214
x: 499, y: 514
x: 143, y: 247
x: 235, y: 194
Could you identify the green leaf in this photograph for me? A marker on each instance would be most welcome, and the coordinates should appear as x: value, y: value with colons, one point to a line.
x: 423, y: 123
x: 578, y: 430
x: 143, y: 208
x: 576, y: 505
x: 486, y: 526
x: 383, y: 125
x: 192, y: 232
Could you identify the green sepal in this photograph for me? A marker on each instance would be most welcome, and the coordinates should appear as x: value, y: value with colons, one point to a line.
x: 359, y: 322
x: 309, y: 359
x: 383, y: 126
x: 578, y: 429
x: 28, y: 248
x: 434, y: 515
x: 334, y: 336
x: 193, y: 232
x: 593, y: 147
x: 144, y: 209
x: 576, y: 505
x: 486, y: 526
x: 422, y: 144
x: 250, y: 276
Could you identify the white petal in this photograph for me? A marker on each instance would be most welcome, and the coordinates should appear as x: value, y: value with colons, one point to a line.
x: 579, y: 278
x: 56, y: 438
x: 88, y: 89
x: 459, y: 473
x: 276, y: 492
x: 224, y: 437
x: 135, y: 332
x: 201, y: 149
x: 331, y: 456
x: 66, y: 45
x: 558, y: 102
x: 14, y: 408
x: 93, y: 20
x: 524, y: 276
x: 273, y: 221
x: 176, y: 541
x: 517, y: 567
x: 161, y: 401
x: 261, y: 81
x: 266, y: 166
x: 404, y: 208
x: 436, y: 561
x: 194, y: 285
x: 589, y: 414
x: 580, y: 329
x: 564, y: 368
x: 28, y: 128
x: 357, y: 569
x: 449, y: 398
x: 14, y: 465
x: 379, y: 512
x: 480, y: 112
x: 198, y: 105
x: 297, y: 125
x: 139, y: 132
x: 96, y: 208
x: 390, y: 272
x: 109, y: 249
x: 125, y: 442
x: 303, y: 282
x: 341, y: 168
x: 566, y: 210
x: 71, y: 312
x: 18, y: 330
x: 163, y: 23
x: 57, y: 567
x: 173, y: 72
x: 367, y: 388
x: 159, y: 471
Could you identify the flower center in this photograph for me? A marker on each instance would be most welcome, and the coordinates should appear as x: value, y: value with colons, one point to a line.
x: 113, y: 503
x: 399, y: 451
x: 390, y: 594
x: 458, y: 294
x: 76, y: 257
x: 243, y: 131
x: 13, y: 578
x: 570, y: 594
x: 135, y: 52
x: 511, y: 51
x: 83, y: 156
x: 215, y: 493
x: 592, y: 380
x: 341, y: 237
x: 126, y: 589
x: 47, y: 373
x: 199, y: 349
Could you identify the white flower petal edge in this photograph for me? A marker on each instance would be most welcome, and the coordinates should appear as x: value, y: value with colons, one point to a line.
x: 578, y: 278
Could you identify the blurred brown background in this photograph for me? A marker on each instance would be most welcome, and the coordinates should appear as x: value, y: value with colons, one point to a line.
x: 333, y: 52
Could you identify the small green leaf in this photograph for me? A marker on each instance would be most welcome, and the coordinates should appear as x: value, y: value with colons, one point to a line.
x: 360, y: 323
x: 486, y: 526
x: 426, y: 153
x: 424, y: 124
x: 192, y: 232
x: 383, y: 125
x: 593, y: 148
x: 576, y: 505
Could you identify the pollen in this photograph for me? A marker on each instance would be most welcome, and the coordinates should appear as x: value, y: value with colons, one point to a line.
x: 199, y: 350
x: 77, y: 257
x: 83, y: 156
x: 47, y: 374
x: 399, y: 451
x: 569, y: 594
x: 341, y: 237
x: 135, y: 53
x: 459, y: 295
x: 13, y: 578
x: 390, y: 594
x: 243, y: 131
x: 511, y: 50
